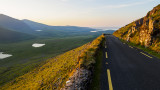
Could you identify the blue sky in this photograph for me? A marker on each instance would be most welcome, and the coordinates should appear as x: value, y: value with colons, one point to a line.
x: 90, y: 13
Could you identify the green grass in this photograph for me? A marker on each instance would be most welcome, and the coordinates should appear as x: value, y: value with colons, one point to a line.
x: 95, y: 84
x: 25, y: 57
x: 143, y: 48
x: 55, y: 71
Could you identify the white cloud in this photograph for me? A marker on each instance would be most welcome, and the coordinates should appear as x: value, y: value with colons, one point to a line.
x: 128, y: 5
x: 64, y: 0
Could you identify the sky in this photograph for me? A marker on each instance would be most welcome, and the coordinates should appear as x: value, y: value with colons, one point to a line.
x: 86, y: 13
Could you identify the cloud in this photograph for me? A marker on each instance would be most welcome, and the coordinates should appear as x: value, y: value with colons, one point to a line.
x: 64, y: 0
x: 128, y: 5
x: 74, y: 0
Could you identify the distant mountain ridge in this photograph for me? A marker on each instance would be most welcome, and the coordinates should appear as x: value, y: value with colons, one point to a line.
x: 14, y: 24
x: 32, y: 28
x: 65, y: 29
x: 145, y: 31
x: 36, y: 25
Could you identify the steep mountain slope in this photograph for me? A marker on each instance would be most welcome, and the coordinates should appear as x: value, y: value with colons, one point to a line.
x: 14, y: 24
x: 12, y: 36
x: 145, y: 31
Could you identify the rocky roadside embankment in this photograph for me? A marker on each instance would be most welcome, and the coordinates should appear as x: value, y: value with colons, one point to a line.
x: 79, y: 80
x: 82, y: 75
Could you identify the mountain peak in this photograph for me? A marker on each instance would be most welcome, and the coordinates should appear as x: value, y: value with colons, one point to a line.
x: 3, y: 16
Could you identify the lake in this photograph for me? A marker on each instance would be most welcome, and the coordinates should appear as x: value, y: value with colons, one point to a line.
x: 93, y: 31
x: 2, y: 56
x: 38, y: 30
x: 37, y: 45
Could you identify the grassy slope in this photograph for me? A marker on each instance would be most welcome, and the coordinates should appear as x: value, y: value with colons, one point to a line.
x: 95, y: 84
x: 25, y: 57
x: 97, y: 74
x: 56, y: 70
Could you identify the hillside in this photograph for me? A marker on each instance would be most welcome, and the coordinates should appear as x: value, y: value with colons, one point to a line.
x: 144, y: 32
x: 12, y: 36
x: 14, y: 24
x: 55, y: 71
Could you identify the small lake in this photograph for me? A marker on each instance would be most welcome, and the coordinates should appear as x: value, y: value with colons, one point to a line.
x: 37, y: 45
x: 39, y: 30
x: 93, y: 31
x: 2, y: 56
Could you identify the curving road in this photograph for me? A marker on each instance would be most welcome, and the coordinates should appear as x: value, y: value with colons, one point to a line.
x: 128, y: 68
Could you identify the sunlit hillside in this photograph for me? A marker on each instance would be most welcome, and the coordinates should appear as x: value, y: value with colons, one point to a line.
x: 55, y: 71
x: 144, y: 32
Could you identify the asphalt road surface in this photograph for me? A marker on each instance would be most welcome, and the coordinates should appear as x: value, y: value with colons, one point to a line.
x: 127, y: 68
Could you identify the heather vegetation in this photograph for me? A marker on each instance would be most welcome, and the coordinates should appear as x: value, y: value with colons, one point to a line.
x: 55, y: 71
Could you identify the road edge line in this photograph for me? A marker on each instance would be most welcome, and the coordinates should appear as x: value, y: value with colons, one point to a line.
x: 106, y: 55
x: 145, y: 54
x: 109, y: 80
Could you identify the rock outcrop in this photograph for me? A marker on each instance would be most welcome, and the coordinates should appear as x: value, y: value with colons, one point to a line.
x: 79, y: 80
x: 145, y: 31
